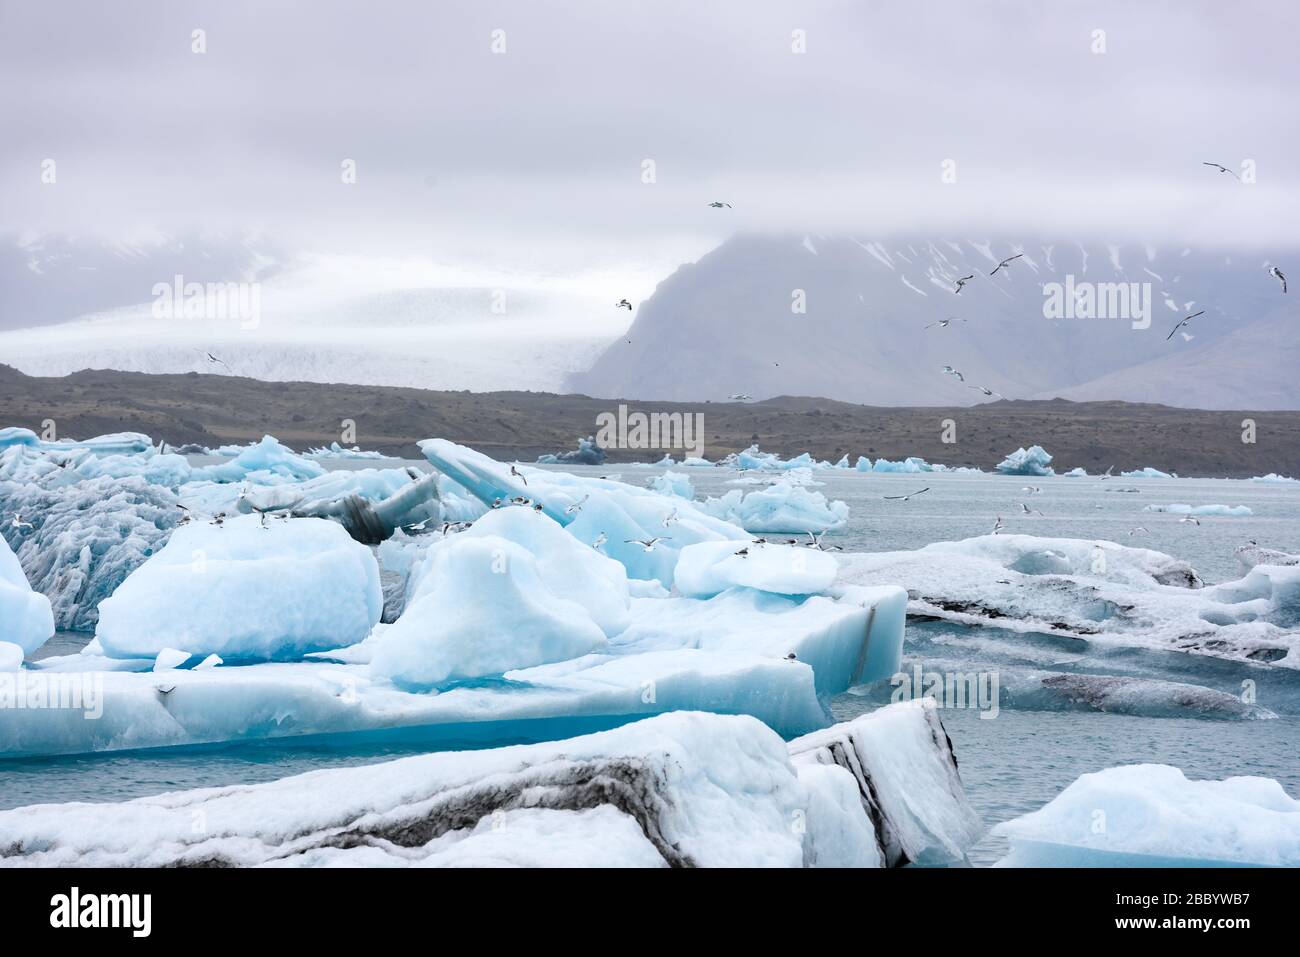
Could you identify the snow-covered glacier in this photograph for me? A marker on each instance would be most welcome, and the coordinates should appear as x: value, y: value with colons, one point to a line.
x: 681, y: 790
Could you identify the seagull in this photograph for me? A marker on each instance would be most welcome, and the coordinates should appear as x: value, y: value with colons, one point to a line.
x: 600, y: 541
x: 739, y: 397
x: 496, y: 503
x: 1190, y: 520
x: 815, y: 541
x: 1277, y: 274
x: 998, y: 526
x: 1183, y: 323
x: 717, y: 205
x: 19, y: 523
x: 164, y: 689
x: 520, y: 500
x: 576, y: 506
x: 988, y: 392
x: 1144, y: 530
x: 448, y: 527
x: 537, y: 506
x: 1106, y: 474
x: 944, y: 323
x: 647, y: 543
x: 1223, y: 169
x: 1031, y: 489
x: 1006, y: 262
x: 961, y: 282
x: 743, y: 553
x: 949, y: 370
x: 623, y: 304
x: 515, y: 473
x: 1026, y: 510
x: 904, y: 498
x: 212, y: 360
x: 670, y: 518
x: 419, y: 526
x: 791, y: 657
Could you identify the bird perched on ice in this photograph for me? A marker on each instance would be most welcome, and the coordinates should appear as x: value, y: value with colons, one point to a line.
x: 647, y: 543
x: 743, y: 553
x: 670, y: 518
x: 515, y: 473
x: 1277, y: 274
x: 1005, y: 263
x: 623, y: 304
x: 717, y: 205
x: 904, y: 498
x: 949, y: 370
x: 1223, y: 169
x: 961, y: 282
x: 944, y: 323
x: 1182, y: 323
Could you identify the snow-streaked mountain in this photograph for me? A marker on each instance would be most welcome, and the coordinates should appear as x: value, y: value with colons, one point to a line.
x: 319, y: 319
x: 725, y: 324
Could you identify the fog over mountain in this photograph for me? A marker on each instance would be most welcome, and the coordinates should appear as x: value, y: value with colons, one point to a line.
x: 733, y: 323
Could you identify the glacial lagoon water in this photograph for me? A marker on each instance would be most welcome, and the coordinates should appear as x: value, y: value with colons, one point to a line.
x: 1010, y: 764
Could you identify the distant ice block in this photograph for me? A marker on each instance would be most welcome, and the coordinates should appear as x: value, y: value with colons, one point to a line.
x: 25, y: 617
x: 779, y: 508
x: 709, y: 568
x: 1273, y: 478
x: 752, y: 458
x: 1031, y: 461
x: 863, y: 464
x: 268, y: 460
x: 907, y: 778
x: 336, y: 451
x: 1097, y: 590
x: 1183, y: 509
x: 682, y: 790
x: 16, y: 436
x: 1151, y: 815
x: 587, y: 453
x: 696, y: 462
x: 245, y: 591
x: 1076, y: 472
x: 843, y: 463
x: 1147, y: 472
x: 909, y: 465
x: 673, y: 483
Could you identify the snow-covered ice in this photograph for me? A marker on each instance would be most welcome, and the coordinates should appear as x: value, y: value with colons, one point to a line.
x: 1151, y: 815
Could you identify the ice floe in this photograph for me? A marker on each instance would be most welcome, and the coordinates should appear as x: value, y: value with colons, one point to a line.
x: 1034, y: 460
x: 1183, y: 509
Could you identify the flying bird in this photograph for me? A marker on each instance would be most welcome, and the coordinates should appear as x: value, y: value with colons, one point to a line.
x: 1181, y: 324
x: 988, y: 392
x: 1026, y: 510
x: 904, y: 498
x: 944, y: 323
x: 1032, y: 489
x: 739, y: 397
x: 623, y: 304
x: 1141, y: 528
x: 717, y: 205
x: 647, y: 543
x: 670, y: 518
x: 1223, y: 169
x: 576, y: 506
x: 1006, y: 262
x: 998, y: 526
x: 19, y: 523
x: 213, y: 360
x: 1190, y: 519
x: 949, y: 370
x: 815, y: 541
x: 961, y: 282
x: 600, y: 541
x: 1277, y: 274
x: 515, y: 473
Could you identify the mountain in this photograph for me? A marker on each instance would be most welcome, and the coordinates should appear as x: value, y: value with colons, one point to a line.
x: 725, y: 325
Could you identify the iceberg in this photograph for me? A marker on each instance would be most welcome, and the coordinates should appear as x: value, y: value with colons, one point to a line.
x: 673, y: 483
x: 752, y: 458
x: 1147, y: 472
x: 1076, y: 472
x: 248, y: 589
x: 681, y: 790
x: 710, y: 568
x: 1228, y: 510
x: 1273, y: 478
x: 268, y: 460
x: 16, y: 436
x: 26, y: 621
x: 780, y: 508
x: 587, y: 453
x: 910, y: 466
x: 1096, y: 590
x: 1031, y: 461
x: 863, y: 464
x: 1151, y: 815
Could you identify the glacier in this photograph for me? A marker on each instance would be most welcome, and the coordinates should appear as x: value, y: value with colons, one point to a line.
x: 1151, y: 815
x: 683, y: 790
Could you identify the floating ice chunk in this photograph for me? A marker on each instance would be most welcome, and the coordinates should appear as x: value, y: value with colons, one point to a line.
x: 696, y: 462
x: 26, y: 620
x: 1273, y: 478
x: 863, y: 464
x: 1031, y: 461
x: 1177, y: 509
x: 336, y: 451
x: 11, y: 657
x: 169, y: 659
x: 673, y: 483
x: 481, y: 609
x: 907, y: 779
x: 247, y: 591
x: 1155, y: 817
x: 17, y: 436
x: 752, y: 458
x: 910, y: 465
x: 843, y: 463
x: 211, y: 661
x: 1076, y: 472
x: 1147, y: 472
x: 568, y: 568
x: 268, y: 459
x: 709, y: 568
x: 1252, y: 554
x: 587, y: 453
x: 779, y: 508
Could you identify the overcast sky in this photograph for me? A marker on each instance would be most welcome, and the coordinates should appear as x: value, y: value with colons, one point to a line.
x: 538, y: 151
